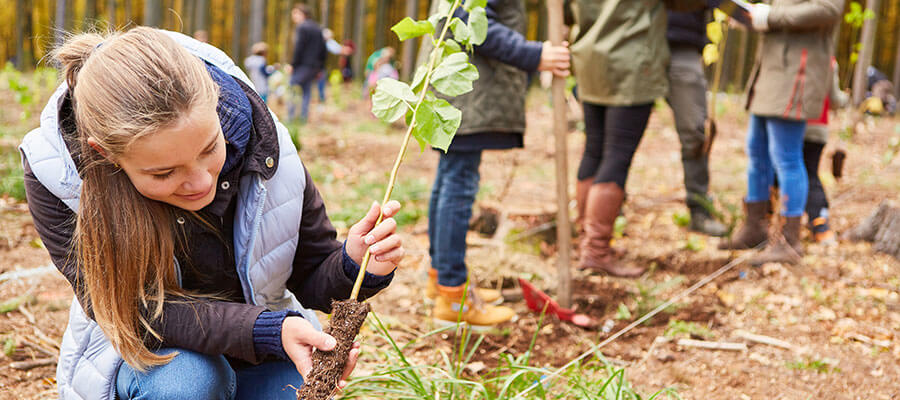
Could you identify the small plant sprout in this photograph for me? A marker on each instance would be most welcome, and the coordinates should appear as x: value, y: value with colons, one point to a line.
x: 433, y: 122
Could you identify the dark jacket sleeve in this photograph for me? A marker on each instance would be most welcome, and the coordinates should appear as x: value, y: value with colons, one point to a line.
x: 209, y: 327
x: 504, y: 44
x: 299, y: 42
x: 319, y: 273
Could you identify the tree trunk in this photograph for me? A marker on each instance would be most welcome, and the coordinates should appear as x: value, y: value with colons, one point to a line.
x: 59, y: 22
x: 257, y: 21
x: 380, y: 17
x: 236, y: 51
x: 326, y: 13
x: 128, y: 13
x: 152, y: 12
x: 896, y: 77
x: 408, y: 60
x: 201, y: 16
x: 881, y: 227
x: 359, y: 62
x: 90, y: 15
x: 21, y: 16
x: 865, y: 54
x: 111, y: 13
x: 347, y: 15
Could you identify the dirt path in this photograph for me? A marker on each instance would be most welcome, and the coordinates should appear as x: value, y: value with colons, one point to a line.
x: 840, y: 309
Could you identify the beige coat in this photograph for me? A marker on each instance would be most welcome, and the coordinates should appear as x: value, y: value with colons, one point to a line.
x: 792, y: 74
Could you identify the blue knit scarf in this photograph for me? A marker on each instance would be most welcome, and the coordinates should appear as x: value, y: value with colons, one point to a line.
x: 235, y: 116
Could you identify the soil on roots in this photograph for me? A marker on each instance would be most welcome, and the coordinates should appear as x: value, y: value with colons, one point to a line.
x: 346, y: 319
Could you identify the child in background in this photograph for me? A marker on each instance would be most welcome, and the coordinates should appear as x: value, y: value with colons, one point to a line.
x: 258, y: 69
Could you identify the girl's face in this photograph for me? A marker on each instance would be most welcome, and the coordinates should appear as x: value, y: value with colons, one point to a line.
x: 179, y: 165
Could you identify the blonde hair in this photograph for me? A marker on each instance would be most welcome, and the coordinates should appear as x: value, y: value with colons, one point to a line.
x: 125, y: 86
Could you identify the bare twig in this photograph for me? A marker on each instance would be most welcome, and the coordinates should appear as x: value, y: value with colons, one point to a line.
x: 43, y: 336
x: 752, y: 337
x: 26, y: 365
x: 38, y: 347
x: 28, y: 315
x: 703, y: 344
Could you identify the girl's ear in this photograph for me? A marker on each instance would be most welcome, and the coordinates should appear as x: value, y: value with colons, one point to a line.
x: 96, y: 146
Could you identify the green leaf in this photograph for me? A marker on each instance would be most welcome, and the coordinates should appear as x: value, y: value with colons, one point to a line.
x: 478, y: 24
x: 408, y: 28
x: 461, y: 31
x: 391, y: 99
x: 436, y: 123
x: 471, y: 4
x: 454, y: 75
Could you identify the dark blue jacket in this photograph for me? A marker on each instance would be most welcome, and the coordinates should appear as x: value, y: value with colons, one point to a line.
x: 309, y: 52
x: 689, y: 28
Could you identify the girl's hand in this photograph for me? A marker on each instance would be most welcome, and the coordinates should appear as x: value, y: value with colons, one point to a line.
x: 555, y: 59
x: 299, y: 338
x: 382, y: 240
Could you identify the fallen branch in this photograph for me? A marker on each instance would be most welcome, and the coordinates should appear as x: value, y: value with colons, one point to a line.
x: 762, y: 339
x: 38, y: 347
x: 26, y: 365
x: 702, y: 344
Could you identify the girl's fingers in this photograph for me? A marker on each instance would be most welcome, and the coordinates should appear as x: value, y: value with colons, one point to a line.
x: 385, y: 245
x: 368, y: 222
x: 393, y: 256
x: 390, y: 208
x: 385, y: 228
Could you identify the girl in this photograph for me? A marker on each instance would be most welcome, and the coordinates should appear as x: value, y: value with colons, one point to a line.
x: 175, y: 204
x: 787, y: 87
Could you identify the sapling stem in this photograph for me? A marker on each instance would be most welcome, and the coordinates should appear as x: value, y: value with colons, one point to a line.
x: 393, y: 177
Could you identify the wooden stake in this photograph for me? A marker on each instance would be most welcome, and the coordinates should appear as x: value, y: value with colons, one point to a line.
x: 563, y: 230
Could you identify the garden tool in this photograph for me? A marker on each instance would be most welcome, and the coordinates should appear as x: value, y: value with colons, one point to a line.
x: 538, y: 301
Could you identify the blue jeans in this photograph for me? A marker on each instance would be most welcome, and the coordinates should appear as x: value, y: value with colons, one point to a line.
x: 775, y: 146
x: 192, y: 375
x: 449, y: 211
x: 321, y: 86
x: 306, y: 89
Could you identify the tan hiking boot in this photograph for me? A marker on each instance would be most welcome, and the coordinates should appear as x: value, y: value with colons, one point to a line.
x: 475, y: 312
x: 603, y: 203
x: 489, y: 296
x: 784, y: 246
x: 754, y: 230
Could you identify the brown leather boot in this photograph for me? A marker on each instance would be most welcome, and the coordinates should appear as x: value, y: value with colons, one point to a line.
x: 581, y: 191
x: 602, y: 207
x: 753, y: 231
x: 784, y: 246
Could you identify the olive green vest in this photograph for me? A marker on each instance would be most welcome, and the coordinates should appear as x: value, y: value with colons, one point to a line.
x: 497, y: 102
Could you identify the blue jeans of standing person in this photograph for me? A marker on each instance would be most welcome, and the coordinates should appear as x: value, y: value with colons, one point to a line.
x: 449, y: 211
x: 775, y: 146
x: 192, y: 375
x: 321, y: 86
x: 306, y: 89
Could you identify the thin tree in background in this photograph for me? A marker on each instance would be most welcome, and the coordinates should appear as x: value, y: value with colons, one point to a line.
x: 860, y: 80
x: 408, y: 59
x: 128, y: 12
x: 380, y: 16
x: 257, y: 20
x: 21, y: 16
x: 359, y: 62
x: 111, y: 13
x: 897, y: 70
x: 326, y: 13
x: 90, y: 14
x: 152, y: 12
x: 236, y: 51
x: 201, y: 16
x: 59, y: 22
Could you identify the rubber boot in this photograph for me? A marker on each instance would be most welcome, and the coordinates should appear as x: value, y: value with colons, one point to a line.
x: 581, y: 191
x: 753, y: 231
x: 489, y: 296
x: 475, y: 312
x: 603, y: 203
x: 784, y: 246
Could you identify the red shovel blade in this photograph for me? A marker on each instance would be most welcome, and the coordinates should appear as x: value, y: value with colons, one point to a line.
x: 538, y: 301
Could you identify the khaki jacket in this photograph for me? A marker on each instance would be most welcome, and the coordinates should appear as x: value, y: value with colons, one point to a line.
x: 792, y: 73
x: 619, y: 50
